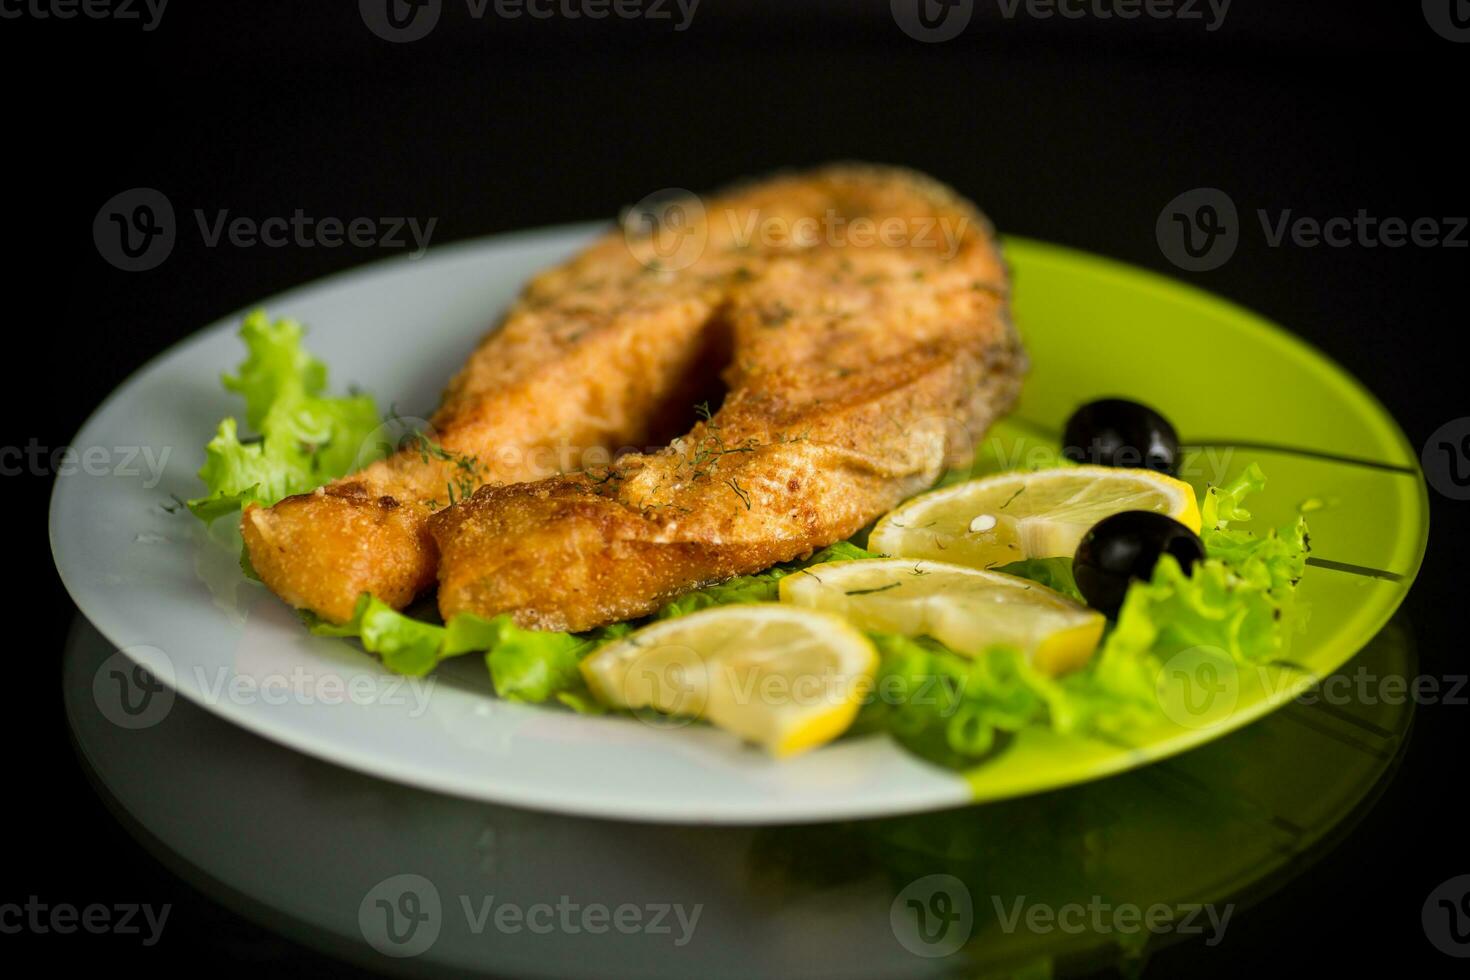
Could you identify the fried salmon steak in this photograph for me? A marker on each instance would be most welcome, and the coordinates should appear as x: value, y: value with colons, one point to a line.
x: 870, y: 346
x: 589, y: 359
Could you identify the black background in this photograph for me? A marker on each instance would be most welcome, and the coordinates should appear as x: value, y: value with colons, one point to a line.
x: 1077, y: 131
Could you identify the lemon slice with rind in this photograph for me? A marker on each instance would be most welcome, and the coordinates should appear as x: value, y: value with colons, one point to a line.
x: 999, y: 519
x: 966, y: 609
x: 788, y: 679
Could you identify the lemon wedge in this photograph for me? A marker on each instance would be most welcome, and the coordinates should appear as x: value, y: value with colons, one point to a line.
x: 1010, y: 516
x: 785, y: 678
x: 966, y: 609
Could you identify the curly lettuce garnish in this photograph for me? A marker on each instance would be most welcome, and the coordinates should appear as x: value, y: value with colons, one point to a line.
x: 305, y: 438
x: 528, y: 666
x: 951, y: 709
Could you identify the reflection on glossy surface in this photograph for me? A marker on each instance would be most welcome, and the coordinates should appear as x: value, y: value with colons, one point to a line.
x: 403, y: 879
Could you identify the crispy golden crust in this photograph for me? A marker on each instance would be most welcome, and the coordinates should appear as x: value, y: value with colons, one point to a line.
x: 589, y: 360
x: 859, y: 369
x: 372, y: 539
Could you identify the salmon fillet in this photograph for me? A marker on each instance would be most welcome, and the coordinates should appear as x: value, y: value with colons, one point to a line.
x: 589, y: 360
x: 596, y: 355
x: 860, y: 367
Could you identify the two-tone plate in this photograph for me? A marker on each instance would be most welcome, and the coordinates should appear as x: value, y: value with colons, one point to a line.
x: 170, y: 594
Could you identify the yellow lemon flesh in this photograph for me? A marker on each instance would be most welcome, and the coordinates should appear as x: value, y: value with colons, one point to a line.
x: 967, y: 609
x: 999, y: 519
x: 787, y: 679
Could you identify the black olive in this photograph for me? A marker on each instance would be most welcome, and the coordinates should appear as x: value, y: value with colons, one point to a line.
x: 1127, y: 546
x: 1117, y: 432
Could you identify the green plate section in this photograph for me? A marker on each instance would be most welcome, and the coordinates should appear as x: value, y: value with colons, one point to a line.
x: 1239, y: 390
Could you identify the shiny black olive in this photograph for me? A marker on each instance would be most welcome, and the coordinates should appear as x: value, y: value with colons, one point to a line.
x: 1127, y: 546
x: 1117, y: 432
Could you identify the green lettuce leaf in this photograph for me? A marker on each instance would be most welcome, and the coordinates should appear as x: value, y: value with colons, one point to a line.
x: 1222, y: 504
x: 760, y: 587
x: 530, y: 666
x: 955, y: 710
x: 305, y: 438
x: 841, y: 551
x: 1273, y: 562
x: 406, y: 645
x: 535, y: 666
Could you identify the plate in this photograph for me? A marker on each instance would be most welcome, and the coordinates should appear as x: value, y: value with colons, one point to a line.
x: 169, y: 594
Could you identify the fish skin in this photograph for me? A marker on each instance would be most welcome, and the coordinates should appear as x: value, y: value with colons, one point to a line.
x: 857, y: 374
